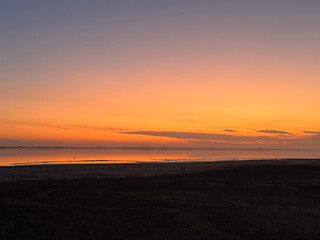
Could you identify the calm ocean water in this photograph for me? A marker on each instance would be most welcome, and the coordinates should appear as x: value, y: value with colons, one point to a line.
x: 33, y: 156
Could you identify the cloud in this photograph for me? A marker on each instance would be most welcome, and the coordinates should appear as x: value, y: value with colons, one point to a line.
x: 8, y: 140
x: 58, y: 127
x: 69, y: 126
x: 273, y: 131
x: 312, y: 132
x: 65, y: 126
x: 203, y: 136
x: 228, y: 140
x: 29, y: 142
x: 229, y: 130
x: 72, y: 126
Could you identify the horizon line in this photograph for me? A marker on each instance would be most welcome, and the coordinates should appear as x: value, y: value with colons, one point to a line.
x: 157, y: 148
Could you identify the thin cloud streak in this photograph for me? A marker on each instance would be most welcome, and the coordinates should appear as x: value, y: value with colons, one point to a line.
x: 203, y: 136
x: 92, y: 127
x: 312, y: 132
x: 224, y: 140
x: 67, y: 126
x: 273, y: 131
x: 230, y: 130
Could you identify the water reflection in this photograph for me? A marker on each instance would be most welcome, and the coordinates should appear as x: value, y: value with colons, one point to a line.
x: 33, y: 156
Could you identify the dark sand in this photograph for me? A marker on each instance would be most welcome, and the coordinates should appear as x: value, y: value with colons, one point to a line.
x: 269, y: 199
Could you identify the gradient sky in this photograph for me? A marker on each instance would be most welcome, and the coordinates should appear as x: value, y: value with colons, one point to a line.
x: 225, y: 73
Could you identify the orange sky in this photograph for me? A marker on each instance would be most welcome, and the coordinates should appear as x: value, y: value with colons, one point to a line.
x: 106, y: 77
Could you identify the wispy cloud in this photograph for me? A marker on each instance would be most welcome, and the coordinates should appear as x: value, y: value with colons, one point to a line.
x: 230, y: 130
x: 273, y: 131
x: 203, y: 136
x: 70, y: 126
x: 229, y: 140
x: 312, y: 132
x: 66, y: 126
x: 7, y: 140
x: 55, y: 126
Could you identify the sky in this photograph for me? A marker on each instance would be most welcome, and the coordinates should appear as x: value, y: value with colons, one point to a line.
x: 187, y: 73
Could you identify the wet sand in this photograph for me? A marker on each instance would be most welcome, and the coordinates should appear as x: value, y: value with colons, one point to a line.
x: 265, y: 199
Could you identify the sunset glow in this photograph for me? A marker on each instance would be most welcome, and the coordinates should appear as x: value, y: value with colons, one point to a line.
x: 118, y: 73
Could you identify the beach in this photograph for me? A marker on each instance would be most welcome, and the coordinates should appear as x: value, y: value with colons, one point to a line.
x: 262, y: 199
